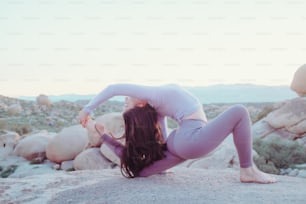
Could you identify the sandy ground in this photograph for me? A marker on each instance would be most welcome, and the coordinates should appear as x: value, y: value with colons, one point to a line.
x: 183, y: 185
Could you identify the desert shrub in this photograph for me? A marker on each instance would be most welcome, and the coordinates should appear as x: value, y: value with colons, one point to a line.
x: 8, y: 171
x: 20, y: 128
x: 3, y: 124
x: 282, y: 153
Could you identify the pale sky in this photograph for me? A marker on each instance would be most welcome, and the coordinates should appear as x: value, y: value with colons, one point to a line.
x: 62, y: 47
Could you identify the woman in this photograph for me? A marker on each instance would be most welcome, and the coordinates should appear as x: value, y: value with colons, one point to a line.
x: 194, y: 137
x: 143, y: 140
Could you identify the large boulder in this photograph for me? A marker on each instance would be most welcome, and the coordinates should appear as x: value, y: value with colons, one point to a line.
x: 286, y: 122
x: 43, y: 100
x: 298, y: 83
x: 8, y: 140
x: 109, y: 154
x: 91, y: 159
x: 67, y: 165
x: 113, y: 125
x: 67, y: 144
x: 14, y: 109
x: 94, y: 137
x: 291, y: 117
x: 33, y: 146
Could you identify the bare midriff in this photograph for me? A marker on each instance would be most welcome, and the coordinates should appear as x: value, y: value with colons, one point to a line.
x: 197, y: 115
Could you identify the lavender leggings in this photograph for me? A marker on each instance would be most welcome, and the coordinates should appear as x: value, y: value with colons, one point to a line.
x: 194, y: 139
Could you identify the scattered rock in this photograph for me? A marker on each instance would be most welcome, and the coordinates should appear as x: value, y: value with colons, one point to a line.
x: 302, y: 173
x: 8, y: 171
x: 286, y: 122
x: 8, y: 141
x: 291, y: 116
x: 109, y: 154
x: 67, y: 165
x: 113, y: 125
x: 298, y: 83
x: 14, y: 109
x: 91, y: 159
x: 43, y: 100
x: 33, y: 147
x: 294, y: 172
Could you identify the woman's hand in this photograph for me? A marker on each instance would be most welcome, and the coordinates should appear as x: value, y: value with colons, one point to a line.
x: 84, y: 118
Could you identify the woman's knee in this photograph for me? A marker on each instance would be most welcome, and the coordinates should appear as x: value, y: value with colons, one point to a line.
x: 240, y: 109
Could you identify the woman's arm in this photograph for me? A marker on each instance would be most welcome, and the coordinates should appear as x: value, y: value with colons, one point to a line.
x: 114, y: 145
x: 148, y: 93
x: 157, y: 167
x: 161, y: 165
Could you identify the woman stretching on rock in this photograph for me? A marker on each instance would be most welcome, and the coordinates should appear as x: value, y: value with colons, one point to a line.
x: 145, y: 153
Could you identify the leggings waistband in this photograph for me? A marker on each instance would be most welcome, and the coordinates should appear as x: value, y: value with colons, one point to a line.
x: 192, y: 123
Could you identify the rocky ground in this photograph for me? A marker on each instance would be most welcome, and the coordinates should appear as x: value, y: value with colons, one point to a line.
x: 182, y: 185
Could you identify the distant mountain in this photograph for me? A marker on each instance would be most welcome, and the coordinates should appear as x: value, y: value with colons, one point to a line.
x: 240, y: 93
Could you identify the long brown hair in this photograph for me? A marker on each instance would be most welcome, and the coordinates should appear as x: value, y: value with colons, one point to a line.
x: 143, y: 140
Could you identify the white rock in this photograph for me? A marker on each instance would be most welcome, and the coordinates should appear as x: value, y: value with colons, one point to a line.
x: 113, y: 125
x: 289, y: 116
x: 56, y: 166
x: 67, y: 144
x: 67, y: 165
x: 109, y: 154
x: 294, y: 172
x: 298, y: 83
x: 261, y: 128
x: 302, y: 173
x: 33, y: 146
x: 7, y: 143
x: 94, y: 137
x: 43, y: 100
x: 14, y: 109
x: 91, y: 159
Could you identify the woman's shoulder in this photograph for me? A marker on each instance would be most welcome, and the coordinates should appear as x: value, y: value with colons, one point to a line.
x: 172, y: 86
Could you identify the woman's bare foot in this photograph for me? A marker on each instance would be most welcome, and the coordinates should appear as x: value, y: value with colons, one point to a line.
x: 254, y: 175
